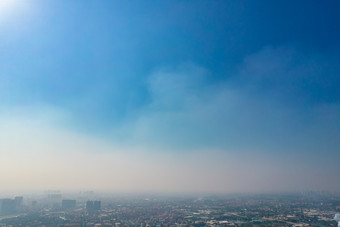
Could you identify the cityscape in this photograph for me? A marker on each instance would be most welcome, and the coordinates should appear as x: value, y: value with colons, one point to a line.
x: 107, y: 210
x: 169, y: 113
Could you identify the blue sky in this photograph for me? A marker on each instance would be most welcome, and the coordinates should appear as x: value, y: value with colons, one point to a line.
x: 242, y: 78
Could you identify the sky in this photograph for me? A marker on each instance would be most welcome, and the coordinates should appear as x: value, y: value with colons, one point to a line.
x: 170, y: 96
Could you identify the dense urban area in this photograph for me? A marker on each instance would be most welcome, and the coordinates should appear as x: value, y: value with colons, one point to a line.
x: 54, y: 208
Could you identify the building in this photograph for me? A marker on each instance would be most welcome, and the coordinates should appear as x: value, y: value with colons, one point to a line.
x: 93, y: 205
x: 54, y: 196
x: 18, y: 202
x: 7, y: 206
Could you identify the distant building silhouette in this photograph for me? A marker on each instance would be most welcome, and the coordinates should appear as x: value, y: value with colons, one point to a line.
x: 7, y: 206
x: 18, y: 202
x: 68, y: 204
x: 34, y: 204
x: 54, y: 196
x: 93, y: 205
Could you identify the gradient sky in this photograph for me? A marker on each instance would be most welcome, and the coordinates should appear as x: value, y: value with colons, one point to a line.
x: 175, y: 96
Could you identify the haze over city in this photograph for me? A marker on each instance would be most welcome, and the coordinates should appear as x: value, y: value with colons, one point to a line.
x: 170, y: 96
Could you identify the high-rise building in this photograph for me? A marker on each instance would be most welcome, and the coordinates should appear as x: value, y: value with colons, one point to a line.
x: 93, y: 205
x: 7, y: 206
x: 54, y: 196
x: 18, y: 202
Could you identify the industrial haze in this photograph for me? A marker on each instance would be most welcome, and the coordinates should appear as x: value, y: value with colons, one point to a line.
x: 87, y: 208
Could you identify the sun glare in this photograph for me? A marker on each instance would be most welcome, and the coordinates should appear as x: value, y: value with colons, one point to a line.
x: 11, y: 7
x: 7, y: 5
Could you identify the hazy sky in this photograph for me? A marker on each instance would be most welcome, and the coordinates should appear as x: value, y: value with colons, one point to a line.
x: 176, y: 96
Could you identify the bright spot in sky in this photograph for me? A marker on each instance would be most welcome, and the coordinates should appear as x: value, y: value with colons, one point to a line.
x: 6, y: 5
x: 10, y: 8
